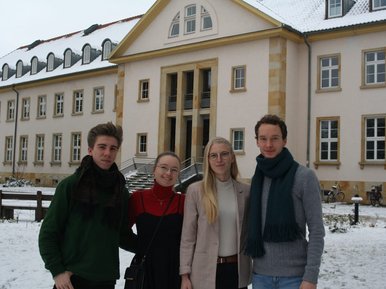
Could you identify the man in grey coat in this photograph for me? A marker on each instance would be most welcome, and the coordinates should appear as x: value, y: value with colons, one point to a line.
x: 284, y: 201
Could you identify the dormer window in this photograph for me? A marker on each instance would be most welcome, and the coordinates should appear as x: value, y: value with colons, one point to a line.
x: 334, y: 8
x: 378, y: 4
x: 5, y: 72
x: 19, y: 69
x: 86, y: 54
x: 190, y: 19
x: 175, y: 27
x: 107, y: 47
x: 34, y: 65
x: 67, y: 58
x: 50, y: 62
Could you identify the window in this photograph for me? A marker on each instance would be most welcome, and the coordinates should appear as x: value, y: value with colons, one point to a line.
x: 329, y: 72
x: 50, y: 62
x: 334, y: 8
x: 379, y: 4
x: 190, y: 19
x: 175, y: 26
x: 59, y: 104
x: 77, y: 107
x: 8, y: 149
x: 67, y: 58
x: 206, y: 82
x: 39, y: 150
x: 86, y: 54
x: 144, y: 89
x: 75, y: 147
x: 5, y: 75
x: 206, y: 21
x: 107, y: 48
x: 327, y: 141
x: 375, y: 138
x: 25, y: 109
x: 10, y: 110
x: 374, y: 67
x: 34, y: 65
x: 99, y: 94
x: 19, y: 68
x: 56, y: 148
x: 238, y: 78
x: 142, y: 143
x: 238, y: 140
x: 42, y: 106
x: 23, y: 149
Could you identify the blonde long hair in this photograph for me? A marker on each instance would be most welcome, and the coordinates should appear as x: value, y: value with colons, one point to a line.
x: 209, y: 190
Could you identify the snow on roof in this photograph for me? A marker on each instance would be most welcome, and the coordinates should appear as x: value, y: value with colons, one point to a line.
x: 114, y: 31
x: 309, y: 15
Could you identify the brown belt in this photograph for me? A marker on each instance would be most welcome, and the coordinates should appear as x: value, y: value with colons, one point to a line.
x: 228, y: 259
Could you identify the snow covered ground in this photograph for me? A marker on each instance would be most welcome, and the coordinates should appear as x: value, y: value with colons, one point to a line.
x: 354, y: 255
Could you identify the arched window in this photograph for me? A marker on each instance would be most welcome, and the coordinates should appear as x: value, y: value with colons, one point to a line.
x: 206, y: 20
x: 19, y: 68
x: 175, y: 26
x: 106, y: 48
x: 34, y: 65
x: 67, y: 58
x: 50, y: 62
x: 86, y: 54
x: 5, y: 71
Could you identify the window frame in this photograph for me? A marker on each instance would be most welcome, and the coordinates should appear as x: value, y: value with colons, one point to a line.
x: 190, y: 22
x: 174, y: 29
x: 142, y: 144
x: 237, y: 78
x: 98, y: 100
x: 318, y: 144
x: 11, y: 110
x: 19, y: 69
x: 25, y: 108
x: 76, y: 148
x: 8, y: 150
x: 42, y: 107
x: 240, y: 147
x: 39, y: 149
x: 50, y: 62
x: 364, y: 160
x: 23, y: 150
x: 86, y: 54
x: 337, y: 4
x: 380, y: 6
x: 34, y: 65
x: 143, y: 92
x: 77, y: 102
x: 57, y: 147
x: 67, y: 58
x: 375, y: 84
x: 330, y: 68
x: 59, y: 104
x: 205, y: 15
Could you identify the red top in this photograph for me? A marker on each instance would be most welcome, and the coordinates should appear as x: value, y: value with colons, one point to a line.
x: 155, y: 201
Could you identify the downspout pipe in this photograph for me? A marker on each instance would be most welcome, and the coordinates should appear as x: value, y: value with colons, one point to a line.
x: 308, y: 100
x: 15, y: 131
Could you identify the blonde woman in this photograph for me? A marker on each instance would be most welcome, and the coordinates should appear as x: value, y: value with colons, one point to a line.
x: 210, y: 251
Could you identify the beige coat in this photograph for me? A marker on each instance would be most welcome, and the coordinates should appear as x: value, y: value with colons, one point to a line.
x: 200, y: 240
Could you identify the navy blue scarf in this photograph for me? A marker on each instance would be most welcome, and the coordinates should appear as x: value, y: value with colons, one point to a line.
x: 280, y: 222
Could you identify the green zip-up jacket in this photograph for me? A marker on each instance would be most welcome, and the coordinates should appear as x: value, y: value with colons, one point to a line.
x: 87, y: 247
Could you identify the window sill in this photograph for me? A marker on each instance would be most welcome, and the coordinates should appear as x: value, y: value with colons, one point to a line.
x: 74, y: 163
x: 143, y: 100
x: 237, y: 90
x: 38, y: 164
x: 326, y: 90
x: 56, y: 164
x: 362, y: 164
x: 375, y: 85
x: 327, y: 163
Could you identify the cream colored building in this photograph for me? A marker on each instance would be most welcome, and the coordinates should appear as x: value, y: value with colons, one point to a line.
x: 191, y: 70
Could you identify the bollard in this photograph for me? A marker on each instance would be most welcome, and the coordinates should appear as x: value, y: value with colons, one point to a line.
x: 356, y: 199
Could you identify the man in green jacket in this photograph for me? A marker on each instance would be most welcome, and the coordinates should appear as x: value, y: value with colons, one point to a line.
x: 87, y: 220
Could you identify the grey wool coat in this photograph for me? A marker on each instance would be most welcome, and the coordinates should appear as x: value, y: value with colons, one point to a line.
x: 200, y: 240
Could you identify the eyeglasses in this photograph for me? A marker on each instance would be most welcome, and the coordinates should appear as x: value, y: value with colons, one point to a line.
x: 165, y: 169
x: 222, y: 155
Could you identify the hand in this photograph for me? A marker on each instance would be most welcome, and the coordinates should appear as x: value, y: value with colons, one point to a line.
x: 185, y: 282
x: 307, y: 285
x: 62, y: 280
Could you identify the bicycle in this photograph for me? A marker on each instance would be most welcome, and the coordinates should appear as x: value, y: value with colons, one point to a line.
x: 375, y: 195
x: 335, y: 194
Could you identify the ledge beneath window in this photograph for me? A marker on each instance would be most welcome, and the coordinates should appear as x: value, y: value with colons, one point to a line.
x: 319, y: 163
x: 239, y: 153
x: 56, y: 164
x: 38, y: 164
x: 6, y: 163
x: 238, y: 90
x: 376, y: 85
x: 77, y: 163
x: 362, y: 164
x: 323, y: 90
x: 143, y: 100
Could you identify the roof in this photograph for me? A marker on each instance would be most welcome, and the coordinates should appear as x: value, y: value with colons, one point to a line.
x: 97, y: 34
x: 307, y: 16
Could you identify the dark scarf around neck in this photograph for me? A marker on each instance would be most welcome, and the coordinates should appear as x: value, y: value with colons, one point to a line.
x: 280, y: 222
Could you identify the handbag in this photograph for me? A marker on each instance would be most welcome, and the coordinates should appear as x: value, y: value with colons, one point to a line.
x: 135, y: 273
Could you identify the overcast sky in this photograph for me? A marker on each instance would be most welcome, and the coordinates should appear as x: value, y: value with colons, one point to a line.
x: 24, y: 21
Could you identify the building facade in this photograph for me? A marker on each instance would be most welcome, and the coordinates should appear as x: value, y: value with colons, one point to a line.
x: 191, y: 70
